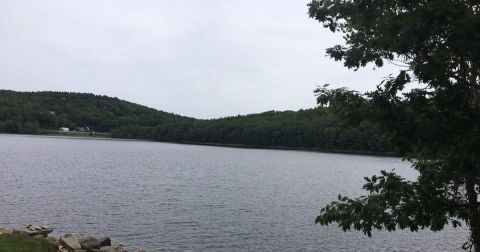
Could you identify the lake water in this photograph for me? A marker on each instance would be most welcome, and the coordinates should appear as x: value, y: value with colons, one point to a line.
x: 172, y: 197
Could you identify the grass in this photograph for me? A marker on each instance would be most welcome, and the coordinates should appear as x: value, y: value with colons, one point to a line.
x: 22, y: 243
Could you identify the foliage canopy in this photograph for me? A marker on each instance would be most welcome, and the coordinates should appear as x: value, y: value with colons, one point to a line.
x: 437, y: 44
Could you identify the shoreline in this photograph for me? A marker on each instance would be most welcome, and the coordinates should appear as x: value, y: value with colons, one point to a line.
x: 106, y: 136
x: 319, y: 150
x: 22, y: 238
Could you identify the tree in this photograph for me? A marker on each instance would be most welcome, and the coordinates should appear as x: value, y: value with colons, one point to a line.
x: 435, y: 125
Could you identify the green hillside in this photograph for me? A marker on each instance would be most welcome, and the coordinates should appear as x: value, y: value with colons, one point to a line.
x: 29, y: 112
x: 319, y: 128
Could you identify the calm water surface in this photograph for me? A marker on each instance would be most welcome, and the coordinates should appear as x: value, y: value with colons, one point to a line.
x: 171, y: 197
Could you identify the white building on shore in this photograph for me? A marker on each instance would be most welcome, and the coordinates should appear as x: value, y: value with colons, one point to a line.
x: 64, y: 129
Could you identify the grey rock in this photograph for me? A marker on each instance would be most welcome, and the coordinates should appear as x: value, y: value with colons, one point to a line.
x: 53, y: 240
x: 105, y: 241
x: 119, y: 248
x: 39, y: 236
x: 79, y: 237
x: 33, y: 230
x: 106, y: 249
x: 90, y: 243
x: 70, y: 242
x: 62, y: 249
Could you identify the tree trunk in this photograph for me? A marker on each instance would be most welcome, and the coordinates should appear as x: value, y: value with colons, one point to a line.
x: 474, y: 219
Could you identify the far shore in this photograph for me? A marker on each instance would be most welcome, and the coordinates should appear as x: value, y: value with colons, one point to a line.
x: 107, y: 136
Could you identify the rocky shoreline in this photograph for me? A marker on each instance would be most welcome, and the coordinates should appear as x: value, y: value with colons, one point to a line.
x: 68, y: 242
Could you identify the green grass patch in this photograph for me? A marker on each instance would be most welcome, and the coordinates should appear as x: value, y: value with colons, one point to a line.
x: 23, y: 243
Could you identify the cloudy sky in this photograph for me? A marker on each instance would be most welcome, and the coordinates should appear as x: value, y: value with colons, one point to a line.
x: 200, y: 58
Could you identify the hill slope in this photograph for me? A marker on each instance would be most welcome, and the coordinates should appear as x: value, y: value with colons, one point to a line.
x: 28, y: 112
x: 319, y: 128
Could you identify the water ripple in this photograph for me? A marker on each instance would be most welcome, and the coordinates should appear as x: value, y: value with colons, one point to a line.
x: 169, y: 197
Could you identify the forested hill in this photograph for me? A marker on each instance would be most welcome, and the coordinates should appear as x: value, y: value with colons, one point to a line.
x: 28, y: 112
x: 319, y: 128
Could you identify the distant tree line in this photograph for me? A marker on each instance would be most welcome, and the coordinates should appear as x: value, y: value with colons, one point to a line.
x: 319, y: 128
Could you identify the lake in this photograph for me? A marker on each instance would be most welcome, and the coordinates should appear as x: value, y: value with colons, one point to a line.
x: 174, y: 197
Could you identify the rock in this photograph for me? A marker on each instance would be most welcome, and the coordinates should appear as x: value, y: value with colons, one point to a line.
x: 33, y: 227
x: 119, y: 248
x: 33, y: 230
x: 105, y: 241
x: 62, y: 249
x: 90, y: 243
x: 70, y: 242
x: 39, y: 236
x: 4, y: 230
x: 53, y: 240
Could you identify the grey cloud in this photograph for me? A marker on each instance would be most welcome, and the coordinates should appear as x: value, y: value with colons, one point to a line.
x: 197, y: 58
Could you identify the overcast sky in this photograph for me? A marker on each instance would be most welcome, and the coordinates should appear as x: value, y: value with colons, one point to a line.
x: 199, y: 58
